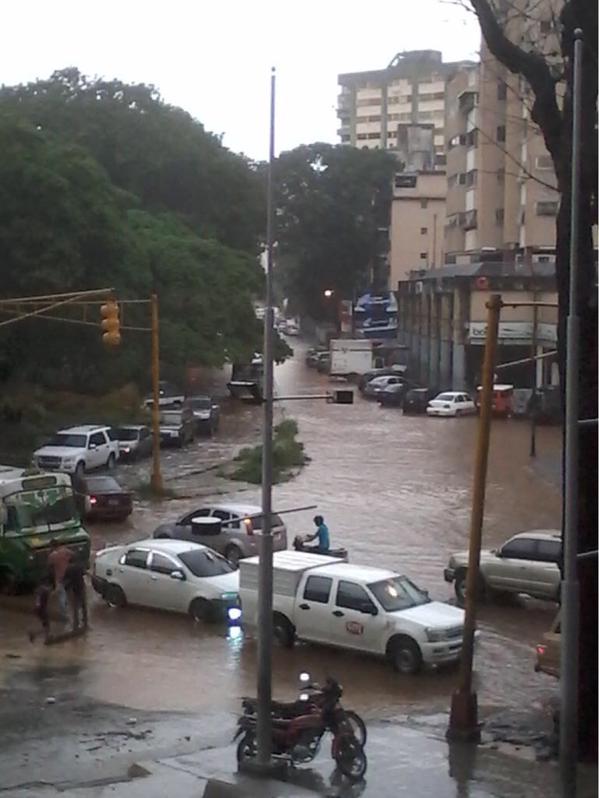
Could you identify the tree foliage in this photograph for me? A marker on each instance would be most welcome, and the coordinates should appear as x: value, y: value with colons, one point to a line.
x: 549, y: 73
x: 330, y: 202
x: 104, y: 185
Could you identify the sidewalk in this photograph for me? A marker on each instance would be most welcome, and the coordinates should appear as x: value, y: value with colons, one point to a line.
x: 411, y: 759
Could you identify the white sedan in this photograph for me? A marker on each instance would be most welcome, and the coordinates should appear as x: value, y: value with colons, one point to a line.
x: 171, y: 575
x: 451, y: 403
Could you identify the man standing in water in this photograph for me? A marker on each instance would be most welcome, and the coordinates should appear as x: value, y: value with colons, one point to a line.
x: 58, y: 562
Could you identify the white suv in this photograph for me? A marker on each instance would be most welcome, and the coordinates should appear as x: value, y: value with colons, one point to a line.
x: 77, y: 450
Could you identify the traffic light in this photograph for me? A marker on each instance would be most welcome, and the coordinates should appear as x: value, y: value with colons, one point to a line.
x: 110, y: 323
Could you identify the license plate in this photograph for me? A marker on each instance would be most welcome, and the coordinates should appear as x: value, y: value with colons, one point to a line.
x: 113, y: 502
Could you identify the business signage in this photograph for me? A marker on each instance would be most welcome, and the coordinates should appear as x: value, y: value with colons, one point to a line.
x: 514, y: 332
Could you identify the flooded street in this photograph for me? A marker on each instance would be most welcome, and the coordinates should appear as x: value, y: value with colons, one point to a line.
x: 394, y: 490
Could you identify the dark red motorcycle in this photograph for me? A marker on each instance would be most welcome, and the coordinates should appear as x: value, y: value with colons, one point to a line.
x: 297, y: 740
x: 310, y: 697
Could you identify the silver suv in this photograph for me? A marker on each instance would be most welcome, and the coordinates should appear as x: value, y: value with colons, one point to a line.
x: 236, y: 538
x: 527, y: 563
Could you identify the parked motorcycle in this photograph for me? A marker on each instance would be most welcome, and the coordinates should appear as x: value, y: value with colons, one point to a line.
x: 310, y: 698
x: 297, y: 739
x: 300, y: 544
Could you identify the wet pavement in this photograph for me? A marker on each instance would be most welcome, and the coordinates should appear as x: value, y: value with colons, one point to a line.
x: 395, y: 490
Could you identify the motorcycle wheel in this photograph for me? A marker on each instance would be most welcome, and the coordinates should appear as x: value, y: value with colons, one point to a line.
x: 246, y: 748
x: 357, y: 725
x: 351, y: 759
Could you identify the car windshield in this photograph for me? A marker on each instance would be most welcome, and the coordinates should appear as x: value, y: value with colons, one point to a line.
x: 202, y: 562
x: 201, y: 403
x: 68, y: 439
x: 398, y: 593
x: 126, y: 434
x: 171, y: 418
x: 29, y: 510
x: 445, y: 397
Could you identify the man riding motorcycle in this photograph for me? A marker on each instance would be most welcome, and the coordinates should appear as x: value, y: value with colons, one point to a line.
x: 322, y: 534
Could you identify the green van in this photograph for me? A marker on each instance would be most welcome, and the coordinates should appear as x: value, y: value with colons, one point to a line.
x: 36, y: 508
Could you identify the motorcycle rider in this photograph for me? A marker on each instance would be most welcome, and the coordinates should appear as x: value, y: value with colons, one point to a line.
x: 322, y: 534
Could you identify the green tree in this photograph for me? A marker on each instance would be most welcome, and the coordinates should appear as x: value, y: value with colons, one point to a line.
x: 331, y: 201
x: 152, y: 149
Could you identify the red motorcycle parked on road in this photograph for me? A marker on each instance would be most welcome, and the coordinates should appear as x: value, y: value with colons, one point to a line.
x: 297, y: 740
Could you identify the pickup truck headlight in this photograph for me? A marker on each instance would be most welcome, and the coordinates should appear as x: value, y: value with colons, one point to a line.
x: 435, y: 635
x: 68, y: 461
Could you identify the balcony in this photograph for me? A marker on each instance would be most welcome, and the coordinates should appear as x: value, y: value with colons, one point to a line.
x: 469, y: 220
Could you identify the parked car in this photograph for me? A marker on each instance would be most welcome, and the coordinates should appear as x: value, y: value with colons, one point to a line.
x: 387, y: 371
x: 378, y: 384
x: 416, y: 400
x: 548, y: 651
x: 105, y: 499
x: 451, y: 403
x: 527, y: 563
x: 357, y: 607
x: 78, y: 449
x: 206, y: 414
x: 312, y: 356
x: 168, y: 575
x: 323, y: 362
x: 392, y: 395
x: 177, y: 427
x: 237, y: 536
x: 135, y: 441
x: 168, y: 396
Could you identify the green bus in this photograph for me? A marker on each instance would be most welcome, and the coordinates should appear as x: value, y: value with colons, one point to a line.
x: 36, y: 508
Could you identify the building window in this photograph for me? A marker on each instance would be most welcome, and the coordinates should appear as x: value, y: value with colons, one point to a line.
x: 424, y: 203
x: 423, y: 256
x: 546, y: 26
x: 543, y: 162
x: 423, y: 231
x: 471, y: 138
x: 405, y: 181
x: 471, y: 177
x: 440, y: 160
x: 547, y: 208
x: 501, y: 133
x: 499, y: 215
x: 462, y: 179
x: 501, y: 90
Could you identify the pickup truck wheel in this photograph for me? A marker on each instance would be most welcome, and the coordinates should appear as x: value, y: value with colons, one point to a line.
x: 80, y: 469
x: 111, y: 462
x: 201, y: 610
x: 115, y: 596
x: 406, y: 656
x: 283, y: 631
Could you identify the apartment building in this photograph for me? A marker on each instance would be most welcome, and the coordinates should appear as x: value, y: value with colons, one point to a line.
x: 410, y: 91
x: 417, y: 222
x: 500, y: 180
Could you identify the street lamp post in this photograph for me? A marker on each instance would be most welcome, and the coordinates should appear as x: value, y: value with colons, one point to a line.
x: 264, y: 687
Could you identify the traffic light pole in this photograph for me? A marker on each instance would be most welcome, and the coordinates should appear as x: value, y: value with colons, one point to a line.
x: 156, y: 478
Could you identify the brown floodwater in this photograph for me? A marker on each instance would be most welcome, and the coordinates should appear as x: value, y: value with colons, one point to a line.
x: 395, y: 490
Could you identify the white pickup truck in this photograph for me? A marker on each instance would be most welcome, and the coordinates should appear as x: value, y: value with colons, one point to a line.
x: 321, y: 600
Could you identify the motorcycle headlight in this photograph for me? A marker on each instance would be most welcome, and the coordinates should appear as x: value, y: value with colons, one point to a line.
x: 435, y: 635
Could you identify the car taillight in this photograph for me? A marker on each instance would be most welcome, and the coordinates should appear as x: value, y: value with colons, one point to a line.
x: 541, y: 650
x: 249, y: 529
x: 93, y: 500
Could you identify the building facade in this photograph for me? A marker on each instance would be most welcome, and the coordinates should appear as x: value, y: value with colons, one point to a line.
x: 417, y: 223
x: 410, y: 91
x: 443, y: 322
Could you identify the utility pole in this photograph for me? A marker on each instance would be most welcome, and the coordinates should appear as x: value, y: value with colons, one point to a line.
x: 535, y: 398
x: 568, y: 743
x: 156, y: 478
x: 265, y: 575
x: 463, y: 719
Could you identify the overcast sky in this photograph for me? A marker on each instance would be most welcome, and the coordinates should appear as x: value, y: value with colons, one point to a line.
x: 213, y: 57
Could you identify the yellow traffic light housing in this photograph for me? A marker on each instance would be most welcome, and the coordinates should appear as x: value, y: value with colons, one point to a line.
x: 111, y: 323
